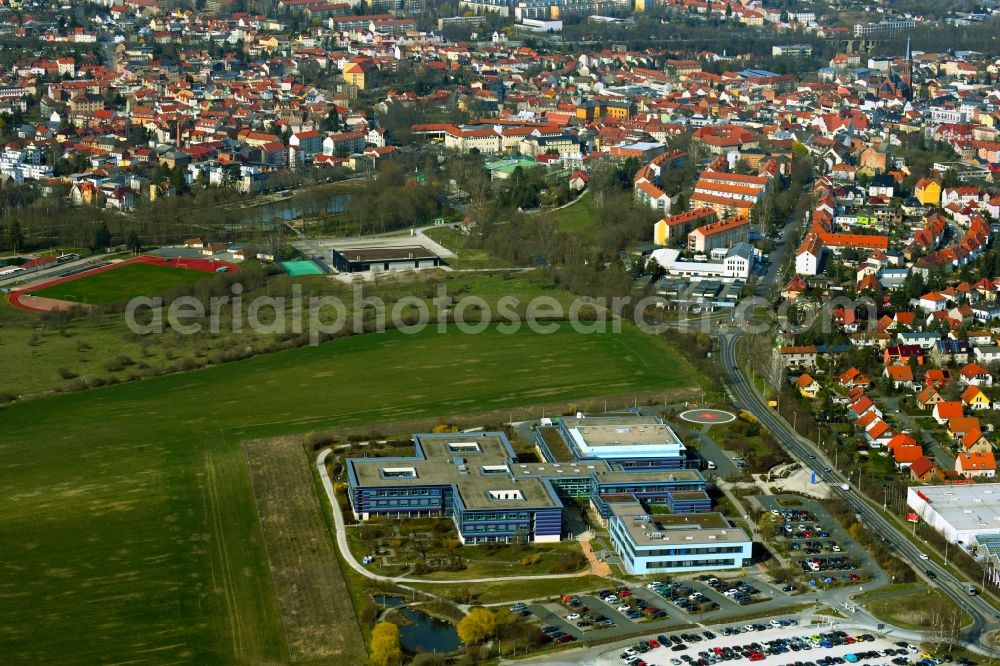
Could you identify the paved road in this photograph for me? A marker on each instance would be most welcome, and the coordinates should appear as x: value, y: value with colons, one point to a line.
x: 27, y: 279
x: 985, y: 617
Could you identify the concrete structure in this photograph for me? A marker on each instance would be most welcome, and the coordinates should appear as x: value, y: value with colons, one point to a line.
x: 382, y: 259
x: 475, y: 479
x: 673, y: 229
x: 651, y: 544
x: 735, y: 264
x: 625, y: 441
x: 719, y: 234
x: 959, y: 512
x: 886, y: 26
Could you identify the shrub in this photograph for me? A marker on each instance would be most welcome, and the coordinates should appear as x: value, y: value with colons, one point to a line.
x: 118, y: 363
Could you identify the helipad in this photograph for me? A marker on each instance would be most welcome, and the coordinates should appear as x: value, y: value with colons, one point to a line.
x: 707, y: 416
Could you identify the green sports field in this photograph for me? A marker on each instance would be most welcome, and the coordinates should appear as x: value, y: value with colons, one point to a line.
x: 122, y: 283
x: 128, y: 524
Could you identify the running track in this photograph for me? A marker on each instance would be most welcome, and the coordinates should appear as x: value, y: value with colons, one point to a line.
x: 206, y: 265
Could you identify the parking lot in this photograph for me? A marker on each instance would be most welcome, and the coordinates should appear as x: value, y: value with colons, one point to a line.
x: 817, y: 545
x: 763, y: 642
x: 654, y: 607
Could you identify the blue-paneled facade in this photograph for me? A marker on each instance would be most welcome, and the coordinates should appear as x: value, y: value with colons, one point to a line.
x: 475, y: 479
x: 647, y: 546
x: 625, y: 442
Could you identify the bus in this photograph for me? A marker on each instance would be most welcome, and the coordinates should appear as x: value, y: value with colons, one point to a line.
x: 69, y: 256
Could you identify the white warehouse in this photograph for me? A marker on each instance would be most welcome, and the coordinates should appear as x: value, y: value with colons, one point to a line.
x: 959, y: 512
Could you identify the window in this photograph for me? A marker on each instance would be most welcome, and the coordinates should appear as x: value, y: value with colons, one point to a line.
x: 464, y: 447
x: 503, y: 495
x: 399, y: 473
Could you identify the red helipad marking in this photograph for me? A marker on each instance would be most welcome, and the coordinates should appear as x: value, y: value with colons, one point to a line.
x: 704, y: 416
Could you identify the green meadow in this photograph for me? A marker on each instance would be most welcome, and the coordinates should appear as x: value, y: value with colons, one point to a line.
x: 122, y: 283
x: 128, y: 525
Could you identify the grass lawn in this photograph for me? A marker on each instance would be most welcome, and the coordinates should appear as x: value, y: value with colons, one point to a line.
x: 122, y: 283
x: 38, y: 359
x: 130, y: 527
x: 580, y: 217
x: 312, y: 594
x: 468, y: 257
x: 501, y: 592
x: 414, y: 549
x: 910, y: 606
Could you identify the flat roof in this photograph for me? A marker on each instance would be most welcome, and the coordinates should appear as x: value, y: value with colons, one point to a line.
x: 694, y: 530
x: 659, y: 475
x: 613, y: 435
x: 475, y: 491
x: 620, y: 436
x: 475, y: 463
x: 967, y: 508
x: 386, y: 253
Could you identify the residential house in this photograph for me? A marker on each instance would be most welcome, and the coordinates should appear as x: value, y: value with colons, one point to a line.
x: 937, y: 378
x: 982, y: 337
x: 976, y: 465
x: 922, y: 339
x: 933, y: 302
x: 923, y: 470
x: 928, y: 192
x: 975, y: 441
x: 901, y: 376
x: 960, y: 426
x: 903, y: 354
x: 362, y: 74
x: 946, y: 410
x: 808, y: 387
x: 955, y: 350
x: 809, y: 256
x: 855, y: 378
x: 928, y: 397
x: 975, y: 375
x: 802, y: 356
x: 863, y: 405
x: 878, y: 433
x: 974, y: 398
x: 987, y: 353
x: 905, y: 456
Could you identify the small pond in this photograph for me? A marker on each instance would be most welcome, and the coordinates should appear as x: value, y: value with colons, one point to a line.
x: 427, y: 634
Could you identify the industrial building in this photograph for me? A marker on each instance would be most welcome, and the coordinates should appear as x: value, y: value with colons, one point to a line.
x: 960, y: 513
